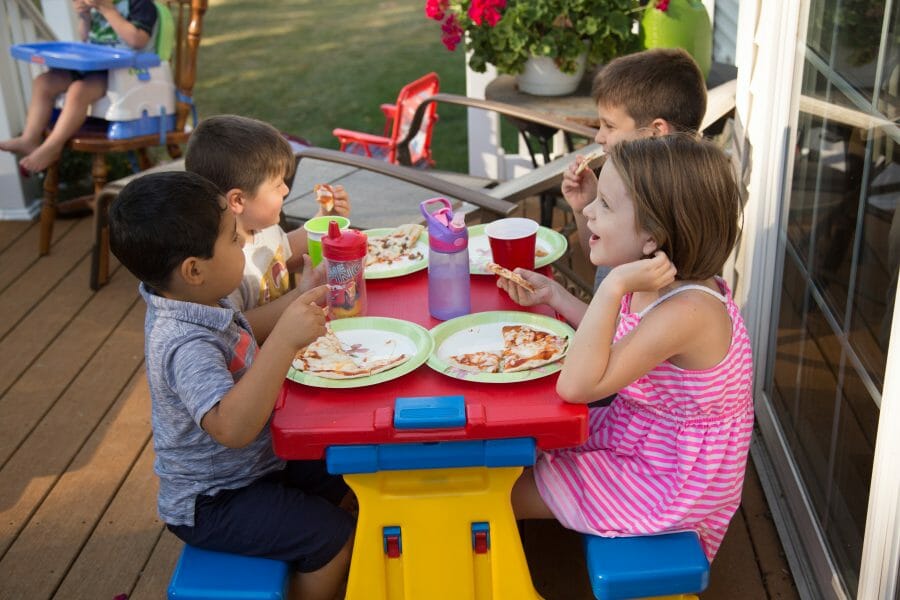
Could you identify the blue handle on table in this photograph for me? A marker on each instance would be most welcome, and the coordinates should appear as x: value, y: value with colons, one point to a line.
x: 429, y: 412
x: 515, y: 452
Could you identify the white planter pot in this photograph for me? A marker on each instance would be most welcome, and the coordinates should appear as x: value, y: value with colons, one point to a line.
x: 541, y: 77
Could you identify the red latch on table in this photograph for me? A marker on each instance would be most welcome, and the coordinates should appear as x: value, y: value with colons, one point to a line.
x: 392, y: 542
x: 481, y: 537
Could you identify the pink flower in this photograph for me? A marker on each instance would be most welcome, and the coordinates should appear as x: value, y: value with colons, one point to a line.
x: 434, y: 9
x: 452, y: 33
x: 468, y: 13
x: 488, y: 11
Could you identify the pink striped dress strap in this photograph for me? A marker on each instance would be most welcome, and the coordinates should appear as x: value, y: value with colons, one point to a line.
x: 678, y: 290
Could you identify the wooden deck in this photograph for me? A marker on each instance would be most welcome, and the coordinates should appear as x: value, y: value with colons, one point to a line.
x: 77, y: 489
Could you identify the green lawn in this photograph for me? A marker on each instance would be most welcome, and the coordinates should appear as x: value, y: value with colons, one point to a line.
x: 308, y: 66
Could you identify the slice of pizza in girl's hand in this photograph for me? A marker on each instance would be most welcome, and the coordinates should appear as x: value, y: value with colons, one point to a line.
x: 324, y: 196
x: 326, y: 357
x: 511, y: 275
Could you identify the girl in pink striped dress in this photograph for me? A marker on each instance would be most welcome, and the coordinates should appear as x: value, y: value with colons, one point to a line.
x: 664, y: 334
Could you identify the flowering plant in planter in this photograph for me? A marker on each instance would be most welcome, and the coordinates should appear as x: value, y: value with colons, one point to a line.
x: 506, y: 33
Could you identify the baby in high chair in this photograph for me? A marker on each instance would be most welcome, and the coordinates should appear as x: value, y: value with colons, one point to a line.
x: 127, y: 22
x: 663, y: 333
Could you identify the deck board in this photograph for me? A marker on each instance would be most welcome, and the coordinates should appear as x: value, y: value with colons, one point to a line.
x: 55, y: 534
x: 20, y: 253
x: 77, y: 491
x: 25, y: 279
x: 10, y: 232
x: 55, y: 446
x: 124, y: 537
x: 47, y: 377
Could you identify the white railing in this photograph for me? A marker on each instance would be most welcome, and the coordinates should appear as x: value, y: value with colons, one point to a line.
x: 22, y: 22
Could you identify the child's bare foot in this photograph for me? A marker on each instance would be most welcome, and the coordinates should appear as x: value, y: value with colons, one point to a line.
x: 41, y: 158
x: 19, y: 145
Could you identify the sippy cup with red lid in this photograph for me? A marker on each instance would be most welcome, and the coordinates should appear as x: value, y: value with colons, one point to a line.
x: 448, y: 261
x: 344, y: 252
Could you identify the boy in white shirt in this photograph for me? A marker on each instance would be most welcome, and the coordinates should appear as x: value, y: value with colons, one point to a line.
x: 249, y: 161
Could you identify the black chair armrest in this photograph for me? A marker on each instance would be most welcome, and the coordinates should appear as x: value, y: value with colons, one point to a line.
x: 515, y: 112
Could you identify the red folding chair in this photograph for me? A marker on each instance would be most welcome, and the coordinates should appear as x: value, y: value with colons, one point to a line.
x: 398, y: 117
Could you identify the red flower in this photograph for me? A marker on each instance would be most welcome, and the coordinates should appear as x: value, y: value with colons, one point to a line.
x: 434, y: 9
x: 479, y: 12
x: 486, y: 11
x: 662, y: 5
x: 452, y: 33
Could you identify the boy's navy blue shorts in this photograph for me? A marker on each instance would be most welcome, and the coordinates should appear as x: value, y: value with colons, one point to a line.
x: 291, y: 515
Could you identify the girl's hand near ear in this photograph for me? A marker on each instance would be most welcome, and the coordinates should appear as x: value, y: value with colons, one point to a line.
x: 645, y: 275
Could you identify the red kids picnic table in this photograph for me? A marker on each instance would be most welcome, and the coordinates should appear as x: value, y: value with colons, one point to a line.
x: 432, y: 460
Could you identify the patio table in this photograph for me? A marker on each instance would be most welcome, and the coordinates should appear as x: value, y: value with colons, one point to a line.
x: 433, y: 521
x: 580, y: 107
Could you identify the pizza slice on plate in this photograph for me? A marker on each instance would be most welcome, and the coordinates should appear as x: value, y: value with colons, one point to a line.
x: 381, y: 364
x: 483, y: 362
x: 326, y: 357
x: 523, y: 348
x: 526, y: 348
x: 400, y: 243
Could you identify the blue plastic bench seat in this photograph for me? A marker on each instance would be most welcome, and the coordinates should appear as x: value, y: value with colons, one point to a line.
x: 206, y: 575
x: 644, y: 566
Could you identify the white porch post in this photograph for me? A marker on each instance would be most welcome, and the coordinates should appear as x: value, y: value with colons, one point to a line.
x: 881, y: 545
x: 19, y: 199
x: 483, y: 127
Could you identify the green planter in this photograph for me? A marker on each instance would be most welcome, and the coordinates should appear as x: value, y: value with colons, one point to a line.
x: 684, y: 24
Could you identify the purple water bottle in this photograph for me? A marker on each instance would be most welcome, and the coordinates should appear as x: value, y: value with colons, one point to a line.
x: 448, y: 261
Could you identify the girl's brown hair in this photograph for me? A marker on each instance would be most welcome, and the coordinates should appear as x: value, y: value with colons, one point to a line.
x: 685, y: 196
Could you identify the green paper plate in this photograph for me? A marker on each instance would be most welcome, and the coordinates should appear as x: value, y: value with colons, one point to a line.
x: 483, y: 331
x: 404, y: 266
x: 381, y: 336
x: 550, y: 241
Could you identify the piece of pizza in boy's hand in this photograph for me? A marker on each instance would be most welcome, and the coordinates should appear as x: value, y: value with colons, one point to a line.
x: 324, y: 196
x: 341, y: 201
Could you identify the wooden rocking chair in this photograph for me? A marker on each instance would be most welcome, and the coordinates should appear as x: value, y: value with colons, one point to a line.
x: 188, y: 19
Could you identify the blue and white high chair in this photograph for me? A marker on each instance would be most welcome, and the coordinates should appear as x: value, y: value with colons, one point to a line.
x: 147, y: 104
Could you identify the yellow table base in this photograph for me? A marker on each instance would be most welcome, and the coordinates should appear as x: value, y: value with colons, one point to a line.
x: 435, y: 510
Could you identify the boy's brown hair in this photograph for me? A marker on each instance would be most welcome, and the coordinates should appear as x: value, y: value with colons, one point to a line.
x: 685, y: 196
x: 237, y: 152
x: 663, y: 83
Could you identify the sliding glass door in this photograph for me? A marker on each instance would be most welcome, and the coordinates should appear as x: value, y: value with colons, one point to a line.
x: 840, y: 251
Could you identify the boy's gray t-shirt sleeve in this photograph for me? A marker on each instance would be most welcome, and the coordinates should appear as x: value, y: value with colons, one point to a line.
x: 197, y: 372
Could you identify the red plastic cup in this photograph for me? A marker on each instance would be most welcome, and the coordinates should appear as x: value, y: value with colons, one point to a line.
x: 512, y: 242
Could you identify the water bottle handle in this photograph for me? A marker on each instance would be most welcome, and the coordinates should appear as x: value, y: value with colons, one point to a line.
x: 441, y: 216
